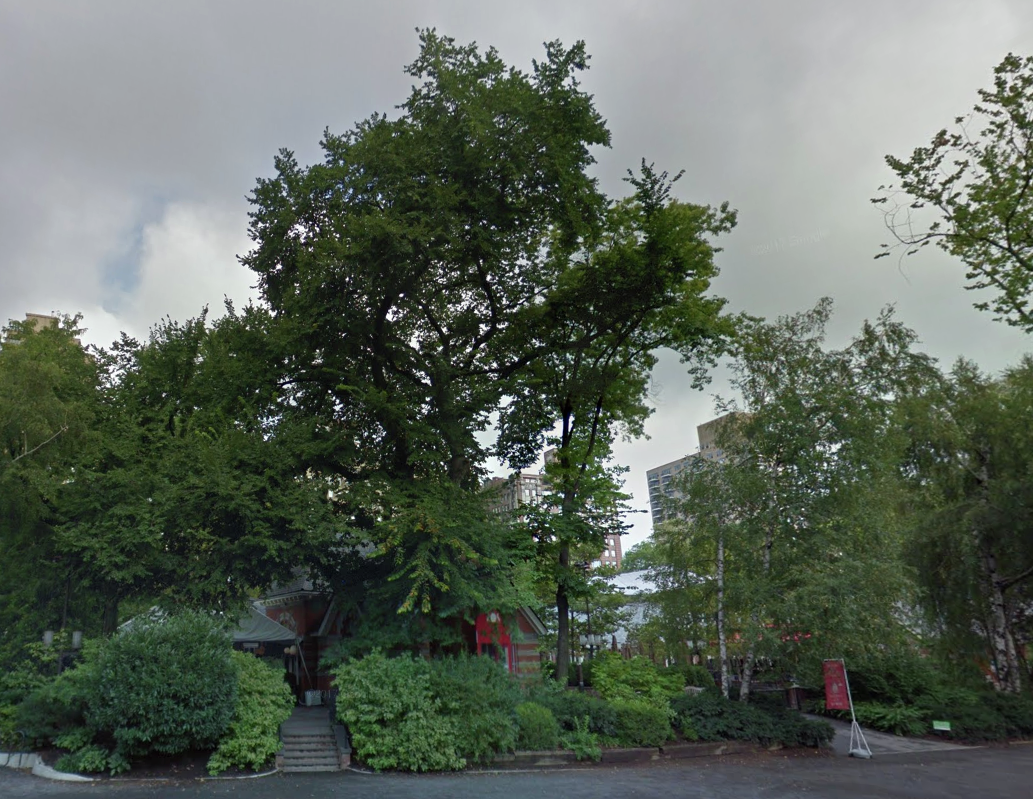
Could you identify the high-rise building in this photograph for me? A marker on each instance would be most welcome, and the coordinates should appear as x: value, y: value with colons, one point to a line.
x: 528, y: 489
x: 663, y: 480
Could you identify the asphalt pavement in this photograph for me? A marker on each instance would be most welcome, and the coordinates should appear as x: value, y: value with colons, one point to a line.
x: 964, y: 773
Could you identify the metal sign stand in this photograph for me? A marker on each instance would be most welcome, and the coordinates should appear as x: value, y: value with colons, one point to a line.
x: 857, y: 740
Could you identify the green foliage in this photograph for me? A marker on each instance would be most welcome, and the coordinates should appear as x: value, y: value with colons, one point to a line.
x: 642, y: 723
x: 481, y: 694
x: 58, y: 706
x: 972, y: 455
x: 898, y: 718
x: 571, y: 706
x: 89, y: 759
x: 975, y: 180
x: 166, y: 685
x: 582, y: 741
x: 190, y: 493
x: 264, y: 702
x: 711, y: 717
x: 696, y: 675
x: 893, y: 676
x: 415, y: 715
x: 978, y: 716
x: 49, y: 404
x: 537, y: 728
x: 637, y: 678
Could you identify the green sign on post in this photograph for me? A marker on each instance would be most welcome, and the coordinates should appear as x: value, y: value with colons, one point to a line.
x: 942, y: 726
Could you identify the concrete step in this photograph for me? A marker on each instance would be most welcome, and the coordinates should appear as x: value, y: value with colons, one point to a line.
x: 297, y: 769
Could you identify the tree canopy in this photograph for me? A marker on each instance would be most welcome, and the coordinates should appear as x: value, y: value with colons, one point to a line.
x: 978, y: 181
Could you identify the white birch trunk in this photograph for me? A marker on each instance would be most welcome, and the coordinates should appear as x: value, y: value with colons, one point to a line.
x: 722, y: 644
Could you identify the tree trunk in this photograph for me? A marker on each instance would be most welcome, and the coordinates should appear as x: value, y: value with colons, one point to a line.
x: 751, y: 652
x: 1002, y: 643
x: 563, y: 619
x: 722, y: 643
x: 110, y: 617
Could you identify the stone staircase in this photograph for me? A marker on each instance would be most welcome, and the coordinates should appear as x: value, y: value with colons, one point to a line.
x: 310, y: 742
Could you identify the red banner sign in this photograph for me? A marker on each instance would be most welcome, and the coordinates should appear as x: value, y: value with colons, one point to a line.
x: 836, y: 696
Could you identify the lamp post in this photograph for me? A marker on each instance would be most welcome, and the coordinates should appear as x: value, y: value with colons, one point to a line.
x: 76, y: 645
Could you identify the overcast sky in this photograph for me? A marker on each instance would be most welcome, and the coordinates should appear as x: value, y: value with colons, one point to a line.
x: 132, y: 132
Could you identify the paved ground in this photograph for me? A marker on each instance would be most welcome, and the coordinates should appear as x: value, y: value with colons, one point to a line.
x: 882, y: 743
x: 983, y: 773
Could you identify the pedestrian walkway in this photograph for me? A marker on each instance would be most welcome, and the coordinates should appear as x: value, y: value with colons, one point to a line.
x: 882, y: 743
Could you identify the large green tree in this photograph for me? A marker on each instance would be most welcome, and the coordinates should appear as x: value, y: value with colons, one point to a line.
x: 194, y: 493
x: 804, y: 505
x: 976, y: 182
x: 641, y: 286
x: 436, y: 270
x: 972, y: 548
x: 49, y: 403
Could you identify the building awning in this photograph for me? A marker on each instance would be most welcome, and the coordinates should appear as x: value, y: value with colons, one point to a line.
x: 256, y: 627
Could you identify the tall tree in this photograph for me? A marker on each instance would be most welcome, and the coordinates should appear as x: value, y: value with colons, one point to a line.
x: 806, y: 496
x: 439, y: 266
x: 194, y: 494
x: 49, y: 402
x: 973, y: 455
x: 640, y: 287
x: 978, y: 180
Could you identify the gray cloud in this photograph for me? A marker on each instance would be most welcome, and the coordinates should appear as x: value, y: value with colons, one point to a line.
x: 132, y: 132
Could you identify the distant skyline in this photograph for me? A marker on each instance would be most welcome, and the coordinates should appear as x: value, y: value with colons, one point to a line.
x: 133, y: 133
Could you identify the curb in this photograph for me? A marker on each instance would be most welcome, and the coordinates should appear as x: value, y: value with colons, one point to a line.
x: 19, y: 760
x: 41, y: 769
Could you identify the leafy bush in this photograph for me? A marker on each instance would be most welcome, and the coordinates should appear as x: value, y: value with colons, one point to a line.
x: 711, y: 717
x: 891, y: 677
x: 570, y: 707
x: 977, y: 716
x: 481, y: 694
x: 582, y: 741
x: 86, y: 760
x: 640, y: 723
x: 537, y: 728
x: 637, y: 678
x: 697, y: 676
x: 415, y: 715
x: 57, y: 706
x: 898, y: 718
x: 165, y: 686
x: 264, y: 702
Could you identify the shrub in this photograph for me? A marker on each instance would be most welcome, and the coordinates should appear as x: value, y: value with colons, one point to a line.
x: 640, y: 723
x: 393, y: 717
x: 637, y: 678
x: 697, y: 676
x: 977, y: 716
x: 891, y: 677
x: 165, y: 686
x: 264, y: 701
x: 569, y: 707
x: 711, y: 717
x: 898, y: 718
x: 480, y: 694
x: 57, y: 706
x: 537, y: 728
